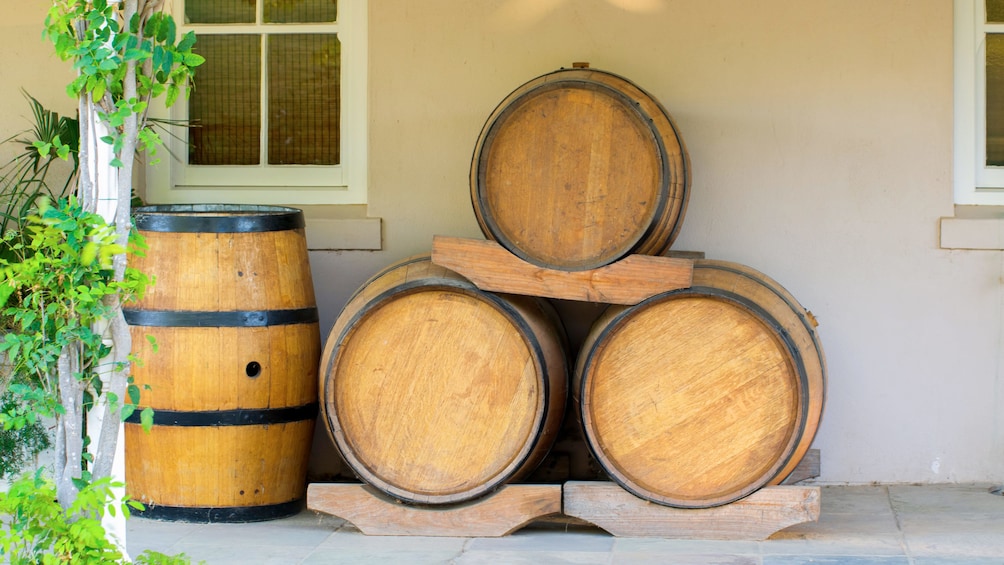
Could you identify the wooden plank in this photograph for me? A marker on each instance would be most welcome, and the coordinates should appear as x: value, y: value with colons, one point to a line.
x: 500, y: 514
x: 808, y: 468
x: 755, y: 517
x: 628, y: 281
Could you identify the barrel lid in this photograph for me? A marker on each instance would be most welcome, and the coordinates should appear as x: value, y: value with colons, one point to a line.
x: 217, y: 218
x: 691, y: 418
x: 578, y: 168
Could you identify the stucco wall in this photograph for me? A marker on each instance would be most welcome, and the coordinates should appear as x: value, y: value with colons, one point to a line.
x: 29, y: 64
x: 820, y: 139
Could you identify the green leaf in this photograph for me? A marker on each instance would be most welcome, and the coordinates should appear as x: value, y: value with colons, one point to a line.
x: 167, y: 63
x: 5, y: 291
x: 194, y: 59
x: 187, y: 41
x: 172, y: 95
x: 170, y: 31
x: 42, y: 147
x: 89, y: 252
x: 98, y: 92
x: 136, y: 55
x: 146, y: 418
x: 133, y: 392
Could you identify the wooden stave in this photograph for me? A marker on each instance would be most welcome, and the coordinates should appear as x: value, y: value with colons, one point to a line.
x: 793, y: 324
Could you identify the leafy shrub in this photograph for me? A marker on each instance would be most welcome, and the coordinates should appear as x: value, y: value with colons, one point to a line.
x: 34, y: 528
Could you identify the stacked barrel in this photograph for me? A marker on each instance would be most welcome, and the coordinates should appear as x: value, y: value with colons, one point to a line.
x: 437, y: 392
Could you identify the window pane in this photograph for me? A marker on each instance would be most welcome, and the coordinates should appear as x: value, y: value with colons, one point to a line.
x: 219, y: 11
x: 225, y: 106
x: 995, y: 11
x: 303, y: 99
x: 300, y: 11
x: 995, y: 100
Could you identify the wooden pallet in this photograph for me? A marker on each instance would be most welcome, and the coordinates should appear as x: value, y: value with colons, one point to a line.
x: 755, y: 517
x: 507, y: 510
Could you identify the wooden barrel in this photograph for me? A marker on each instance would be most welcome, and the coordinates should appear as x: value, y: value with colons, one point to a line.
x: 578, y: 168
x: 233, y: 379
x: 436, y: 392
x: 698, y: 397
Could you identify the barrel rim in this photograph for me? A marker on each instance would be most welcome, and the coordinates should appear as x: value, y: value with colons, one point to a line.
x: 514, y: 465
x: 220, y: 514
x: 220, y: 318
x: 791, y: 444
x: 807, y: 323
x: 246, y: 416
x: 217, y: 218
x: 547, y: 82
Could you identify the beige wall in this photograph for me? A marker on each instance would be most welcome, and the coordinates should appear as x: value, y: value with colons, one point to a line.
x: 30, y: 64
x: 820, y: 139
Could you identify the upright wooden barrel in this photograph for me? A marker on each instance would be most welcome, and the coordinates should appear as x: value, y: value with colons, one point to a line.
x: 578, y: 168
x: 698, y: 397
x: 233, y: 380
x: 436, y: 392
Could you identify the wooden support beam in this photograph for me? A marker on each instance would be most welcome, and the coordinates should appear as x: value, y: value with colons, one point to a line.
x: 628, y: 281
x: 808, y: 468
x: 500, y: 514
x: 755, y: 517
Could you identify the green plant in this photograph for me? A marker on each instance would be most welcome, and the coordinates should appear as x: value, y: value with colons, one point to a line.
x: 125, y: 52
x: 35, y: 529
x: 72, y: 277
x: 18, y: 447
x: 55, y: 295
x: 26, y: 176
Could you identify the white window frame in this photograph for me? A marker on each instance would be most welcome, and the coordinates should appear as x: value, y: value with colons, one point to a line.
x: 174, y: 181
x: 974, y: 182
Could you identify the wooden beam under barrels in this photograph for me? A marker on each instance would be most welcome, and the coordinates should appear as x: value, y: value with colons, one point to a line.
x: 627, y: 281
x: 756, y: 517
x: 497, y: 515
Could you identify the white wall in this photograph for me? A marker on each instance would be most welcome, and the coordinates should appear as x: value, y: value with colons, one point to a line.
x: 820, y: 139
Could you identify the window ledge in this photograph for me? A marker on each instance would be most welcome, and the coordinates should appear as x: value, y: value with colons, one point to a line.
x: 974, y: 227
x: 341, y: 228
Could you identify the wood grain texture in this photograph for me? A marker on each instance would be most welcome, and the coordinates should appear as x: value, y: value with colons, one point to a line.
x: 436, y: 392
x: 755, y: 517
x: 578, y: 168
x: 699, y: 397
x: 627, y: 281
x: 219, y: 466
x: 500, y: 514
x: 202, y: 272
x: 196, y: 370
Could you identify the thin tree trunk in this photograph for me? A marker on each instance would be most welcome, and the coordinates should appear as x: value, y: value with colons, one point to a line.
x: 68, y: 427
x: 108, y: 434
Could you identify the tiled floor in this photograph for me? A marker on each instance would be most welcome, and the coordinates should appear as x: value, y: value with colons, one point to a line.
x: 922, y: 525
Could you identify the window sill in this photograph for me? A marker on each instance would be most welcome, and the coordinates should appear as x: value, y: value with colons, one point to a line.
x: 974, y: 227
x: 341, y: 228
